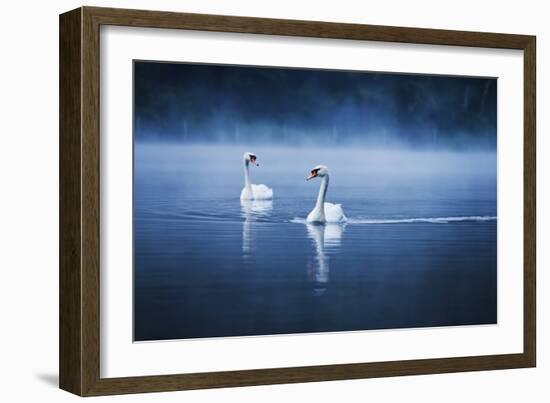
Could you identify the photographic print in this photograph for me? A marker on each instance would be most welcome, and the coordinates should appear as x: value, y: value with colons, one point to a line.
x: 274, y: 200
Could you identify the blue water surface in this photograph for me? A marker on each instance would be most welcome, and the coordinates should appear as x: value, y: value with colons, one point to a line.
x: 419, y: 248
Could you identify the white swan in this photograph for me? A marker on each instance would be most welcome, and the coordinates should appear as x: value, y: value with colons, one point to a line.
x: 324, y: 212
x: 251, y: 191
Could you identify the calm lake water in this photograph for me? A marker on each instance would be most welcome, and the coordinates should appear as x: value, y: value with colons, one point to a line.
x: 419, y: 248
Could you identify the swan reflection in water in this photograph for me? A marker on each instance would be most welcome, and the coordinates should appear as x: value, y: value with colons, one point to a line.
x: 251, y: 211
x: 326, y: 239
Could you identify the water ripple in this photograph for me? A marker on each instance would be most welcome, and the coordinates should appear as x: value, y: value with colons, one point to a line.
x: 431, y: 220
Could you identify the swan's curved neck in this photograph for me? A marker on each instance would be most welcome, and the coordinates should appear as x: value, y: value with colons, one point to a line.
x: 322, y: 193
x: 247, y: 176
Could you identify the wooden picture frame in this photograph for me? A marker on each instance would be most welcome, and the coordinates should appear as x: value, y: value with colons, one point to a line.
x: 79, y: 346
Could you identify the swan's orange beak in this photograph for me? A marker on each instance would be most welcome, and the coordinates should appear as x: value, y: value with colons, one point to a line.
x: 253, y: 160
x: 313, y: 175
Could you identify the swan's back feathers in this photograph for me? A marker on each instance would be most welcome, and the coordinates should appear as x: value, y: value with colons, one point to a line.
x: 259, y: 192
x: 262, y: 192
x: 334, y: 213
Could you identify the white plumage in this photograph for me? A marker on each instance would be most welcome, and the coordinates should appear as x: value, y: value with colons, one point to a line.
x: 251, y: 191
x: 333, y: 213
x: 324, y: 212
x: 257, y: 192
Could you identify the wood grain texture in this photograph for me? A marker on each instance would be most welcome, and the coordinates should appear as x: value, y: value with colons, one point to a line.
x: 316, y: 29
x: 80, y: 201
x: 70, y: 273
x: 161, y: 383
x: 90, y: 202
x: 530, y: 203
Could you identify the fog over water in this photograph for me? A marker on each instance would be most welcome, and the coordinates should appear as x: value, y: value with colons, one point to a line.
x: 437, y: 181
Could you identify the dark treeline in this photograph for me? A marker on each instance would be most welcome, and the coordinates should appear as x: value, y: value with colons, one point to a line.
x: 233, y: 104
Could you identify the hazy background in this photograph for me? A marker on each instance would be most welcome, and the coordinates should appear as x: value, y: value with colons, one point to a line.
x: 234, y: 104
